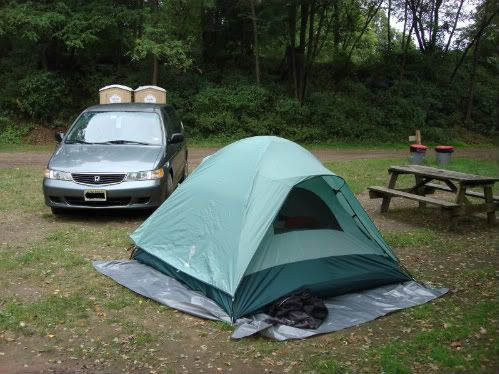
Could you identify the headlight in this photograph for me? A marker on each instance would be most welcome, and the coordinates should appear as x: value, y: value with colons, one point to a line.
x: 57, y: 174
x: 145, y: 175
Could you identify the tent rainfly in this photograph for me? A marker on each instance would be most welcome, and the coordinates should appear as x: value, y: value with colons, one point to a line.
x: 260, y: 219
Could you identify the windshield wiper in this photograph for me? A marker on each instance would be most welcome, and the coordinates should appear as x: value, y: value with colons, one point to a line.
x: 77, y: 142
x: 124, y: 142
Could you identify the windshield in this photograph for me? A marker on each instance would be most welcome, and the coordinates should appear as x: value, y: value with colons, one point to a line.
x: 117, y: 128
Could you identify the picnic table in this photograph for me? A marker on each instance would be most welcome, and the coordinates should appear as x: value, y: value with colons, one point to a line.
x: 449, y: 181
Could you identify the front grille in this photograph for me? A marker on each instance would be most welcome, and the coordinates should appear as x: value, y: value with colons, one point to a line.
x: 115, y: 201
x: 98, y: 178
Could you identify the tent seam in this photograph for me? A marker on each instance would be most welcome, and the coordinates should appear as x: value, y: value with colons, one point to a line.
x: 250, y: 193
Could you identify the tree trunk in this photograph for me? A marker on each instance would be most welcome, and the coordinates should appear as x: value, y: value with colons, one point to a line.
x: 300, y: 56
x: 435, y: 26
x: 369, y: 18
x: 471, y: 89
x: 255, y: 47
x: 476, y: 39
x: 405, y: 27
x: 292, y: 45
x: 404, y: 56
x: 389, y: 36
x: 336, y: 29
x: 454, y: 26
x: 430, y: 28
x: 307, y: 66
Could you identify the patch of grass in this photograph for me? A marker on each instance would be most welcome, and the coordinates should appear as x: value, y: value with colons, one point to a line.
x: 143, y: 338
x: 456, y: 346
x: 416, y: 237
x: 392, y: 364
x: 467, y: 165
x: 222, y: 326
x: 40, y: 316
x: 61, y: 249
x: 21, y: 188
x: 120, y: 298
x: 44, y: 258
x: 328, y: 366
x: 104, y: 236
x: 359, y: 174
x: 422, y: 312
x: 265, y: 346
x: 484, y: 273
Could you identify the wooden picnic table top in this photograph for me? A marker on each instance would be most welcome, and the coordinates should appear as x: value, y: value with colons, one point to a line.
x: 442, y: 174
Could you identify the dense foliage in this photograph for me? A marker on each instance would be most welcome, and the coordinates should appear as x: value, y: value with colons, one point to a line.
x: 309, y: 70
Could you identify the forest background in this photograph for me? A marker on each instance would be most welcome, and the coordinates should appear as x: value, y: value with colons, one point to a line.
x: 315, y: 71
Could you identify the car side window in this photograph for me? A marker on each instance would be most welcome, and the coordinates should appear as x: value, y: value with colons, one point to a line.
x: 168, y: 123
x: 176, y: 125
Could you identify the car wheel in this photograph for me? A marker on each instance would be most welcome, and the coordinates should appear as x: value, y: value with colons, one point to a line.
x: 169, y: 186
x: 184, y: 173
x: 56, y: 211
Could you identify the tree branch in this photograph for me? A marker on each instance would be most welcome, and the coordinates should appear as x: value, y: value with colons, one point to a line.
x: 473, y: 41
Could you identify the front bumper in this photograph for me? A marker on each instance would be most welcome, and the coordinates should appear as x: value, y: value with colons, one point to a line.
x: 125, y: 195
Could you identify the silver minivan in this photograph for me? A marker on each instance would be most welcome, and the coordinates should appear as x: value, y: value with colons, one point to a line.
x: 119, y: 156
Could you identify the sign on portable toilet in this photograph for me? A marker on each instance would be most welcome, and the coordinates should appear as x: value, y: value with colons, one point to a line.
x: 150, y: 94
x: 115, y: 93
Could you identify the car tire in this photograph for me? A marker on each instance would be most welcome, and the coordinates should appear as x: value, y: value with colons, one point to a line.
x: 184, y: 173
x: 169, y: 186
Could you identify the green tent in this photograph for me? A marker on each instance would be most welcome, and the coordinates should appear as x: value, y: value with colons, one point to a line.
x: 260, y: 219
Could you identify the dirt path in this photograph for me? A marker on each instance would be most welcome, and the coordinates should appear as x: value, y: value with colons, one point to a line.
x: 35, y: 158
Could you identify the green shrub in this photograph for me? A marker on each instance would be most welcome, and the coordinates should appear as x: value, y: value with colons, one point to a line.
x: 42, y: 95
x: 10, y: 133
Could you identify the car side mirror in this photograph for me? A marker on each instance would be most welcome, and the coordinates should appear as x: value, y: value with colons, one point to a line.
x: 59, y: 136
x: 176, y: 138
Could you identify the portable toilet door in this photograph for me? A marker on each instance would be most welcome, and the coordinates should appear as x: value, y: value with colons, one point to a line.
x: 150, y: 94
x: 115, y: 93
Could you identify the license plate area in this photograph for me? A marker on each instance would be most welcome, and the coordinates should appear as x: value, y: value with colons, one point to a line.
x: 95, y: 195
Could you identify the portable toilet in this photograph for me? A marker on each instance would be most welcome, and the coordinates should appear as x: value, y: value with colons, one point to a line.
x: 150, y: 94
x: 115, y: 93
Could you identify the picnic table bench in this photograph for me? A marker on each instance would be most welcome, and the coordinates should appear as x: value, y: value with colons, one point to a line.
x: 453, y: 182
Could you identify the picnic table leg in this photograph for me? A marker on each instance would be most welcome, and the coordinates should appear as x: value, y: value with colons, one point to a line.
x: 420, y: 191
x: 458, y: 211
x: 386, y: 200
x: 489, y: 200
x: 461, y: 194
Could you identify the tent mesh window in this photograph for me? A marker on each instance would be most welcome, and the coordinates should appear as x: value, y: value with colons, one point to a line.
x: 304, y: 210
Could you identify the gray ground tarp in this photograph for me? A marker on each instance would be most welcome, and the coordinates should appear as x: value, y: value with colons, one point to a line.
x: 344, y: 311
